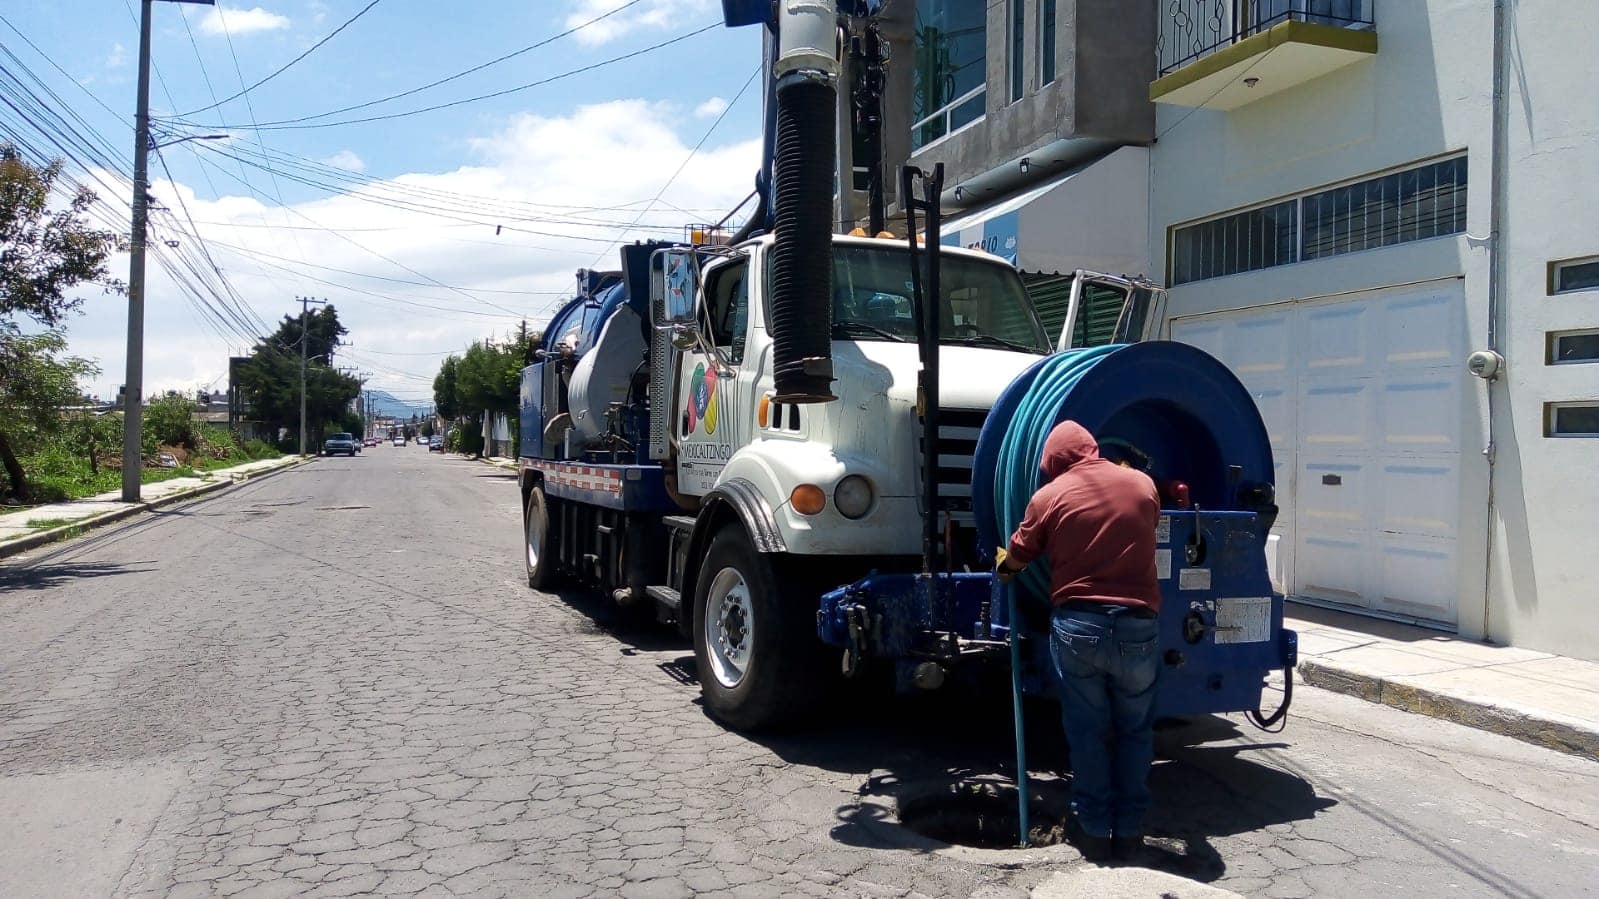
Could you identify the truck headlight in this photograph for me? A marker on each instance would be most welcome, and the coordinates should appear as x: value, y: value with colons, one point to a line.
x: 853, y: 496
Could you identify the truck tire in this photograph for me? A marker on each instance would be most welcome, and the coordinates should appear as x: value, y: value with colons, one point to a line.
x: 539, y: 554
x: 752, y: 645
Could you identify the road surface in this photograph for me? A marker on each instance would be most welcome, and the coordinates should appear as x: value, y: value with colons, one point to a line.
x: 335, y: 681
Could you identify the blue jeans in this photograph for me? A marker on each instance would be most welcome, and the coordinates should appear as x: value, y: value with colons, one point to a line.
x: 1107, y: 666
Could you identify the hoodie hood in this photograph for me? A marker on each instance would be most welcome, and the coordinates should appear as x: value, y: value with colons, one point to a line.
x: 1068, y: 444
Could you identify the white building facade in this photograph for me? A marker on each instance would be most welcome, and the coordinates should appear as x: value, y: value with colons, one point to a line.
x: 1323, y: 196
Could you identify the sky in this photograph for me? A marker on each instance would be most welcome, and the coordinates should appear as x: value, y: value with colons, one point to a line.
x: 427, y: 229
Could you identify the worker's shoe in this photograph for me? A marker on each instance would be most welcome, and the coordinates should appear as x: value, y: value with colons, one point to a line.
x: 1126, y: 848
x: 1094, y: 849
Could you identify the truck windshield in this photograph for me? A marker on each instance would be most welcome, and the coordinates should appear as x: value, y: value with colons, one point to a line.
x: 983, y: 303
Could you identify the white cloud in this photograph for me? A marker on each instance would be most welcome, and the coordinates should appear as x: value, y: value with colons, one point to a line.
x: 347, y: 160
x: 117, y: 58
x: 218, y: 21
x: 650, y: 15
x: 711, y: 108
x: 579, y: 179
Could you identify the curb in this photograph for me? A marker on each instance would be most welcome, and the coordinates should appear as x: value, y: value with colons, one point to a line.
x: 1561, y: 736
x: 75, y: 528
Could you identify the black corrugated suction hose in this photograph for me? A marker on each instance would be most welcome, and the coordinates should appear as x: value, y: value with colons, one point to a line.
x: 802, y: 258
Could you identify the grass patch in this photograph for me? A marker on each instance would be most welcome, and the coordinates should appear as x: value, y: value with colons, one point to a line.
x: 59, y: 470
x: 40, y: 524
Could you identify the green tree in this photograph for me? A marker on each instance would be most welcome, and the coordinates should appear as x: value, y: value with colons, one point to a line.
x: 444, y: 387
x: 44, y: 252
x: 271, y: 379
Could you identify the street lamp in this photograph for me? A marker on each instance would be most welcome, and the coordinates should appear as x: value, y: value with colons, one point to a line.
x: 133, y: 392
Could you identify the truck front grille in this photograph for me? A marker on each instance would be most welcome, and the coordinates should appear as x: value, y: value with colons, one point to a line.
x: 957, y: 444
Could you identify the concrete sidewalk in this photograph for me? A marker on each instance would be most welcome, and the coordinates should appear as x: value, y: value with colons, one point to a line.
x: 38, y: 525
x: 1538, y: 697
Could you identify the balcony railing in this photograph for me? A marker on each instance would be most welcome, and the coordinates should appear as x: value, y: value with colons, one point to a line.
x: 1190, y: 30
x: 950, y: 117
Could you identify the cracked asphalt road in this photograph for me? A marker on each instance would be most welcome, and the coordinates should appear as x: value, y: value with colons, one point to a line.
x: 334, y: 681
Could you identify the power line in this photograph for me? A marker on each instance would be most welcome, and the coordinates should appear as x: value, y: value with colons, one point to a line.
x: 286, y: 66
x: 461, y: 74
x: 681, y: 166
x: 305, y: 122
x: 343, y: 271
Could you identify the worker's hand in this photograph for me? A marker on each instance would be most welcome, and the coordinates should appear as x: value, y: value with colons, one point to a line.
x: 1002, y: 566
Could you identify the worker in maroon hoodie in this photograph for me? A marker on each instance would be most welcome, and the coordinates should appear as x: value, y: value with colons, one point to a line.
x: 1094, y: 521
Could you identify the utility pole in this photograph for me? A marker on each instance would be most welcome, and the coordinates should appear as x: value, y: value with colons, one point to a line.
x: 133, y: 402
x: 133, y: 396
x: 305, y: 341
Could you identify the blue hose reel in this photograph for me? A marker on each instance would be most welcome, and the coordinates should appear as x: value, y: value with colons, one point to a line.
x: 1175, y: 403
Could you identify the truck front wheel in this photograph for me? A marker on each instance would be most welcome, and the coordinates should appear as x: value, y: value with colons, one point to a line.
x: 752, y: 644
x: 540, y: 552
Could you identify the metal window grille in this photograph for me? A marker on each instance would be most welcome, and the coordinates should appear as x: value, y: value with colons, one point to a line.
x: 1415, y: 204
x: 1241, y: 242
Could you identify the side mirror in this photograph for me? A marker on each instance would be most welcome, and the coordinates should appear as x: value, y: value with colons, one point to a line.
x: 674, y: 285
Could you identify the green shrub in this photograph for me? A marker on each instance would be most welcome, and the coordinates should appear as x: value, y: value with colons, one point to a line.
x: 170, y: 420
x: 260, y: 449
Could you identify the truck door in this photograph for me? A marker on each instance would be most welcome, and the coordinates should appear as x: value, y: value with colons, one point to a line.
x: 713, y: 415
x: 1105, y: 309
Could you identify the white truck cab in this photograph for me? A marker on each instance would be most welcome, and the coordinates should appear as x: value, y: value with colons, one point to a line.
x: 859, y: 455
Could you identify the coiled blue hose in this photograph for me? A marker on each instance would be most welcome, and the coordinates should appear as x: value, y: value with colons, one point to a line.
x: 1016, y: 474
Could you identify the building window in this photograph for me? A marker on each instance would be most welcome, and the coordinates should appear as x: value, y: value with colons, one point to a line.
x: 1569, y: 347
x: 1424, y: 202
x: 1573, y: 274
x: 1241, y: 242
x: 951, y: 71
x: 1018, y: 32
x: 1046, y: 48
x: 1414, y: 204
x: 1580, y: 419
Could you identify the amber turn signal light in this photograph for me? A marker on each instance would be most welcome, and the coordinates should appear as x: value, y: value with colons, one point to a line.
x: 808, y: 499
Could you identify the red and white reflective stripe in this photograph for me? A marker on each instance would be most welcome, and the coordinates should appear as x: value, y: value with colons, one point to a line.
x: 583, y: 477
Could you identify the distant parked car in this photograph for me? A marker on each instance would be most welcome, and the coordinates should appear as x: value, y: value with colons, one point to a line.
x: 435, y: 444
x: 341, y: 442
x: 370, y: 441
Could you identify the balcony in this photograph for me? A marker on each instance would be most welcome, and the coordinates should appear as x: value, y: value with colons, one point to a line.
x: 1223, y: 54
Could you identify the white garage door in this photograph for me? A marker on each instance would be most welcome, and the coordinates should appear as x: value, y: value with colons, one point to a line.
x: 1362, y: 398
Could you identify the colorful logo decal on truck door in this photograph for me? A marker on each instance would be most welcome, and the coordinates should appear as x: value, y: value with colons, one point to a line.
x: 703, y: 404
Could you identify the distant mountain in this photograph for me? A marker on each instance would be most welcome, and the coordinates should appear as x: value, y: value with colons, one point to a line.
x: 387, y: 404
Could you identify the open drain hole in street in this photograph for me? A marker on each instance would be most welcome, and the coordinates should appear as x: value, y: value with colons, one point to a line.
x: 980, y: 817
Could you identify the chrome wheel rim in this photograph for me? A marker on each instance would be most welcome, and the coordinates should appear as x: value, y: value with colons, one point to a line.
x: 729, y: 627
x: 535, y: 534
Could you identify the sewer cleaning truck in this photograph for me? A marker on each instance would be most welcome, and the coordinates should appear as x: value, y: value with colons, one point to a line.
x: 802, y: 447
